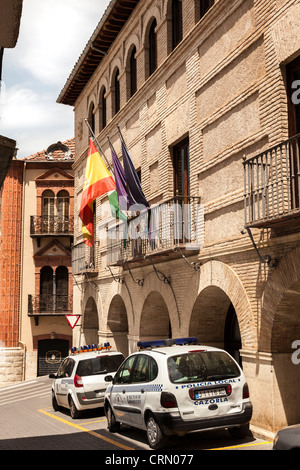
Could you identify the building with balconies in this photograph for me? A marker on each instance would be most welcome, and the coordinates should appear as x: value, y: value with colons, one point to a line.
x: 36, y: 284
x: 206, y: 97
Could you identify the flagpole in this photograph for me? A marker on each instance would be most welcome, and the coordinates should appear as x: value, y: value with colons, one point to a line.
x: 120, y: 133
x: 98, y: 145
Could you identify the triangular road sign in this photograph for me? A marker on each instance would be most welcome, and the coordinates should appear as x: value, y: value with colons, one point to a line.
x: 72, y: 320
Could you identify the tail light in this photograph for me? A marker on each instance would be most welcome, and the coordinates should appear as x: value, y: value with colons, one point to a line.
x: 246, y: 391
x: 168, y: 400
x: 78, y: 381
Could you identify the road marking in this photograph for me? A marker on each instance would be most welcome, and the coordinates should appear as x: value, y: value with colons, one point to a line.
x: 81, y: 428
x: 243, y: 445
x: 7, y: 401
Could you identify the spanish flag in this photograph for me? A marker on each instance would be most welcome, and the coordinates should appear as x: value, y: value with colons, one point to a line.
x: 98, y: 181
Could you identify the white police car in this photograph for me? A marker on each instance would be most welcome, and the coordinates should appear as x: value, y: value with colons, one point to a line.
x: 176, y: 386
x: 79, y: 383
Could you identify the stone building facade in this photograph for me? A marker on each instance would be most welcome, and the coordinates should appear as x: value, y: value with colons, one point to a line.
x: 205, y: 96
x: 36, y: 283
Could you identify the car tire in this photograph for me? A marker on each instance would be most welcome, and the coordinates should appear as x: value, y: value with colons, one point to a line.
x: 239, y: 432
x: 55, y: 405
x: 112, y: 424
x: 156, y: 438
x: 73, y: 410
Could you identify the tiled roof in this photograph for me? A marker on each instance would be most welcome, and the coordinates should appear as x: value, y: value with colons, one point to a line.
x: 58, y: 151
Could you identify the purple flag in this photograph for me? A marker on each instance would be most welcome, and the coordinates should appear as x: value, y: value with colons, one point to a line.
x: 133, y: 185
x: 120, y: 182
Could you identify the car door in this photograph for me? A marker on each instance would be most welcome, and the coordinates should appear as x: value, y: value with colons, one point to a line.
x: 120, y: 389
x: 63, y: 381
x: 137, y: 389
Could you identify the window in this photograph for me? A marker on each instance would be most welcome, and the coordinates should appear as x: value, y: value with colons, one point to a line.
x: 202, y: 366
x: 133, y: 72
x: 293, y: 83
x: 99, y: 365
x: 124, y: 374
x: 92, y: 117
x: 152, y: 48
x: 117, y: 92
x: 63, y: 204
x: 176, y: 22
x: 181, y: 169
x: 54, y: 289
x: 102, y: 106
x: 48, y: 199
x: 205, y: 5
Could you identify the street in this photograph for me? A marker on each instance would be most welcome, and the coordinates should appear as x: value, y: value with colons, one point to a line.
x: 28, y: 422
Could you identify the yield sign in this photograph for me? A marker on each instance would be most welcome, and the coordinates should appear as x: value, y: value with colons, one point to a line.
x: 72, y: 320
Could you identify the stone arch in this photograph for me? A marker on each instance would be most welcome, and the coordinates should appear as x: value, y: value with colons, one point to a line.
x: 220, y: 280
x: 153, y: 284
x: 90, y: 322
x: 280, y: 306
x: 117, y: 324
x: 155, y: 319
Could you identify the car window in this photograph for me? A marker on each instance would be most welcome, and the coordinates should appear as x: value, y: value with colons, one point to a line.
x: 66, y: 368
x: 99, y: 365
x: 141, y: 369
x: 202, y: 366
x: 124, y: 373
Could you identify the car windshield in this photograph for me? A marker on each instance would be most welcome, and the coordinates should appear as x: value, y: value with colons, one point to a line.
x: 99, y: 365
x: 201, y: 366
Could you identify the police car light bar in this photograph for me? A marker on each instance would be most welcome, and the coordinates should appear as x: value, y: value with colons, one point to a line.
x: 88, y: 348
x: 166, y: 342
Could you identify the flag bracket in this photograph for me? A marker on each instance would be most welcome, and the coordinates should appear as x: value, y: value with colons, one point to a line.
x: 140, y: 282
x: 161, y: 276
x: 195, y: 266
x: 116, y: 278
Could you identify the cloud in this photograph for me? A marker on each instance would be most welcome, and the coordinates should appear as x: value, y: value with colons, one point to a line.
x: 53, y: 34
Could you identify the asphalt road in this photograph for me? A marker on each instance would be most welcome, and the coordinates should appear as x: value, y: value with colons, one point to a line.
x: 28, y: 422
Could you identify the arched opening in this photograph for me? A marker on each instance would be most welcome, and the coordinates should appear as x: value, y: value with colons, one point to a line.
x: 61, y: 289
x: 176, y: 22
x: 155, y: 319
x: 90, y: 322
x: 117, y: 324
x: 102, y: 109
x: 214, y: 321
x: 152, y: 51
x: 133, y: 72
x: 46, y: 289
x: 116, y: 92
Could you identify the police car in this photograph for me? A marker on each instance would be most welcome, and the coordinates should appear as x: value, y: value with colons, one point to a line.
x: 177, y: 386
x: 79, y: 383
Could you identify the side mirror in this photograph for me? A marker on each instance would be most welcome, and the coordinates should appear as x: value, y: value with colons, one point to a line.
x: 53, y: 376
x: 108, y: 378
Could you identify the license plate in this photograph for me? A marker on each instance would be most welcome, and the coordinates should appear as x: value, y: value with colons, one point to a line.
x: 215, y: 392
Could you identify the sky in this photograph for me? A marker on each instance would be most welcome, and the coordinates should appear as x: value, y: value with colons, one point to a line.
x: 53, y: 34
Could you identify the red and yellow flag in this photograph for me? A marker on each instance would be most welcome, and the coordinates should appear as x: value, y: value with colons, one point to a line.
x: 98, y: 181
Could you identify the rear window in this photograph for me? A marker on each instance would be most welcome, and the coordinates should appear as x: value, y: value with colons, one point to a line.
x: 99, y: 365
x: 202, y: 366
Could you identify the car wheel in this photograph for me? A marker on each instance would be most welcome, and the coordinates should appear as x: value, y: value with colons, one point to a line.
x: 156, y: 438
x: 239, y: 432
x: 112, y: 424
x: 73, y: 410
x: 55, y: 405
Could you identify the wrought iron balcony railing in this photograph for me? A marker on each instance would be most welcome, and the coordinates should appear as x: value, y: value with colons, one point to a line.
x: 272, y: 185
x: 51, y: 226
x: 50, y: 304
x: 179, y: 222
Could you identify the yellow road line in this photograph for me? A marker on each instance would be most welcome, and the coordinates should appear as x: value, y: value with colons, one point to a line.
x: 81, y: 428
x: 243, y: 445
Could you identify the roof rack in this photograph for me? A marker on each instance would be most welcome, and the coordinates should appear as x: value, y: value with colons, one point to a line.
x: 166, y: 342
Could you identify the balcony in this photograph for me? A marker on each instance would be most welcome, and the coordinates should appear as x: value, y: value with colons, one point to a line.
x: 272, y: 186
x: 39, y: 305
x: 160, y: 232
x: 51, y: 226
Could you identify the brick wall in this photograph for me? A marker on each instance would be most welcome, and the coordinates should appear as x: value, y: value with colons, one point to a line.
x: 10, y: 254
